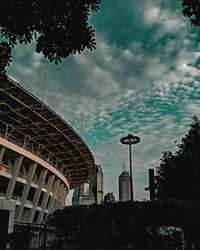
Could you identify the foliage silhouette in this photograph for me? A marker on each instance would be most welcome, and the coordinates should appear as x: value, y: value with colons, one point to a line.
x: 60, y: 28
x: 178, y: 176
x: 5, y: 56
x: 191, y: 9
x: 123, y: 225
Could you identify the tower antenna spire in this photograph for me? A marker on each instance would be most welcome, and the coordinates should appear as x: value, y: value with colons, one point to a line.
x: 124, y: 166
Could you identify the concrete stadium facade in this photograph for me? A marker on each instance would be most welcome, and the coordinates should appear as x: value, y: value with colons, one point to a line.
x: 41, y: 156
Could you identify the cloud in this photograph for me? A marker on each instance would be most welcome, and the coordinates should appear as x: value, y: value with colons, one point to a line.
x: 159, y: 117
x: 152, y: 15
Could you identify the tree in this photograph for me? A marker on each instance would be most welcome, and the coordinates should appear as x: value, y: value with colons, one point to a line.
x: 191, y: 9
x: 60, y: 28
x: 178, y: 175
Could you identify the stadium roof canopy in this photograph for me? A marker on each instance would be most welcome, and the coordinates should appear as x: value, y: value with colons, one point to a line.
x: 29, y: 123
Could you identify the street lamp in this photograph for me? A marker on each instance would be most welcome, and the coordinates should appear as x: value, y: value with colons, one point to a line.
x: 129, y: 140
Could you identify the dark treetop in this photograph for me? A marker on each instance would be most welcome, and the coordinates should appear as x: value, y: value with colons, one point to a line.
x: 178, y: 176
x: 191, y: 9
x: 60, y: 27
x: 123, y: 225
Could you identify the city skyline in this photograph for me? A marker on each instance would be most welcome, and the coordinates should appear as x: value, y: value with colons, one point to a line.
x: 142, y: 79
x: 91, y: 191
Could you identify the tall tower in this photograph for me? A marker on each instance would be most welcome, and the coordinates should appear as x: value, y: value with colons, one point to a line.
x: 75, y: 197
x: 124, y: 186
x: 97, y: 183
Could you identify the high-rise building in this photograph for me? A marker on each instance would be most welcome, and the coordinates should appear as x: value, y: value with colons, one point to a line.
x: 91, y: 191
x: 124, y: 186
x: 75, y: 197
x: 97, y: 183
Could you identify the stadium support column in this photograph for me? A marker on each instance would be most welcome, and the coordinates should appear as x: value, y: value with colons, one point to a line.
x: 37, y: 195
x: 64, y: 196
x: 2, y: 150
x: 52, y: 198
x: 58, y: 202
x: 46, y: 197
x: 26, y: 190
x: 12, y: 181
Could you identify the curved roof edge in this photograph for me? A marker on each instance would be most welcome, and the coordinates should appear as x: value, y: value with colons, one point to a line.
x: 27, y: 120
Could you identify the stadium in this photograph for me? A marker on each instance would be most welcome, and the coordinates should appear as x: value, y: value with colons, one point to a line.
x: 41, y: 156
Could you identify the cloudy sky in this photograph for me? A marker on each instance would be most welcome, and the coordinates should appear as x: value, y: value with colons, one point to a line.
x: 143, y: 79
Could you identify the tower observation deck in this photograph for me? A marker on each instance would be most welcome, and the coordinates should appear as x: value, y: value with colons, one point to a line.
x: 41, y: 156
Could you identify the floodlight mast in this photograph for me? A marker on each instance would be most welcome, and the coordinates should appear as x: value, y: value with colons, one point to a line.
x: 129, y: 140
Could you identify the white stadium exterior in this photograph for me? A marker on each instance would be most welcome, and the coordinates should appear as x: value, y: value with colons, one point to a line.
x: 41, y: 156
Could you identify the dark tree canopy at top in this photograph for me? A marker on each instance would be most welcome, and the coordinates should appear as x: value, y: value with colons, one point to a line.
x: 191, y: 9
x: 60, y: 27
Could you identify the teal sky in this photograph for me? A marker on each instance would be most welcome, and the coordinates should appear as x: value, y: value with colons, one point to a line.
x: 143, y: 78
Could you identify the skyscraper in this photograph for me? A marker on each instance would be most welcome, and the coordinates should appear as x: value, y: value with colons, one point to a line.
x: 124, y: 186
x: 91, y: 191
x: 97, y: 183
